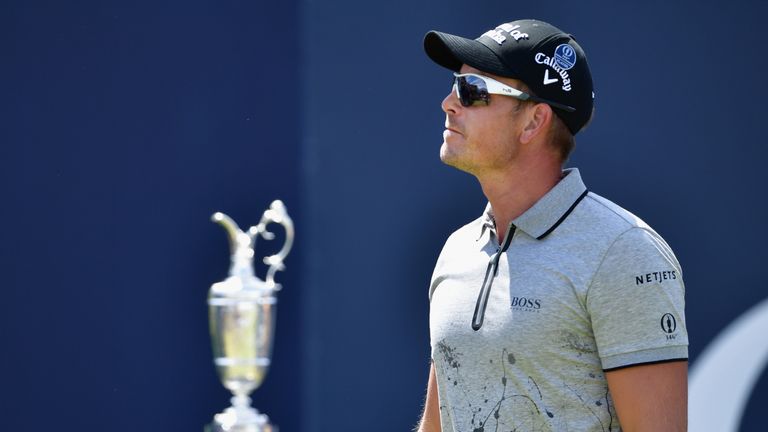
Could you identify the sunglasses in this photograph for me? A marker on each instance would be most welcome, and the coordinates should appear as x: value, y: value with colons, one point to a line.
x: 474, y: 90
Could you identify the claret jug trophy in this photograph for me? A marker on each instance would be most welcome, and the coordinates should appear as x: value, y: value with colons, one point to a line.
x: 241, y: 312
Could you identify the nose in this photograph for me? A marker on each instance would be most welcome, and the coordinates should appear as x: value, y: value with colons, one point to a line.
x: 451, y: 103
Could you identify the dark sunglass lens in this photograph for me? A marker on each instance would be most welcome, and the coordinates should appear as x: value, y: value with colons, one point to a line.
x: 462, y: 91
x: 472, y: 91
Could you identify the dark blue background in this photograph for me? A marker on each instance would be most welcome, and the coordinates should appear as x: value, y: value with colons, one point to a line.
x: 126, y: 124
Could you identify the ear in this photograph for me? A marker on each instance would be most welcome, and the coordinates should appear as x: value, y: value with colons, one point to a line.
x: 539, y: 119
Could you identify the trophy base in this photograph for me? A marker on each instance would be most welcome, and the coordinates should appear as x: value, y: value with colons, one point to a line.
x: 240, y: 418
x: 214, y: 427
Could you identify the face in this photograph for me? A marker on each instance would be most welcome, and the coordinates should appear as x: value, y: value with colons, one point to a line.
x: 481, y: 138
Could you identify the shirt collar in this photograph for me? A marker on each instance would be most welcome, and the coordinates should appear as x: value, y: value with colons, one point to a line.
x: 549, y: 211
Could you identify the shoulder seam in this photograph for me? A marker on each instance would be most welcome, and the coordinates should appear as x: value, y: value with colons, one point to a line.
x: 597, y: 201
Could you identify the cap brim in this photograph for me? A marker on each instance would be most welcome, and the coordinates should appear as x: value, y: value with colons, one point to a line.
x: 450, y: 51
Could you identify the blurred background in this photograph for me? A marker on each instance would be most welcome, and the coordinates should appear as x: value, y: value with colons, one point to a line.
x: 125, y: 125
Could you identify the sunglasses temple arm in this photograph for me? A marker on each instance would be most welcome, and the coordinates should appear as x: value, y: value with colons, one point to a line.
x: 552, y: 103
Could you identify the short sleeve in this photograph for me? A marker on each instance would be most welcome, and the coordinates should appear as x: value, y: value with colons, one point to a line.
x: 636, y: 302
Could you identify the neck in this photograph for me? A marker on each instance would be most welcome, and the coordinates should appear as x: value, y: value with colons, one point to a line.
x: 517, y: 188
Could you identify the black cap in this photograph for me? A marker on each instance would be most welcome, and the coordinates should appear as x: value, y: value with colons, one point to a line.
x: 546, y: 59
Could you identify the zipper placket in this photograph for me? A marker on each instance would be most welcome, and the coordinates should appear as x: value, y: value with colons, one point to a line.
x: 491, y: 270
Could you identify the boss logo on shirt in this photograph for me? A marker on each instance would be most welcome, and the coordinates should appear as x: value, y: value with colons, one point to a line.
x: 526, y: 304
x: 653, y: 277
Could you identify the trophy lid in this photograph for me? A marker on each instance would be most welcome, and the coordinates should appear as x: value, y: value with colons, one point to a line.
x: 242, y: 281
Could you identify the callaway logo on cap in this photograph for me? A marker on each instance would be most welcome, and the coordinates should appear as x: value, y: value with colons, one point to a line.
x: 546, y: 59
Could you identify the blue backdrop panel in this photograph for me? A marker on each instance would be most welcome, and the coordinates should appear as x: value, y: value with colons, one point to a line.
x: 125, y: 126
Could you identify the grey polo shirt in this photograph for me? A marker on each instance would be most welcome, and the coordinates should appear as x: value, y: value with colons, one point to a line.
x: 583, y: 287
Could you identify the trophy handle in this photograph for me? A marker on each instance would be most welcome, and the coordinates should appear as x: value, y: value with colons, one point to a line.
x: 277, y: 214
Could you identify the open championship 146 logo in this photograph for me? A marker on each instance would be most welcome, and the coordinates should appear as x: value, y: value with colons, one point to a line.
x: 565, y: 56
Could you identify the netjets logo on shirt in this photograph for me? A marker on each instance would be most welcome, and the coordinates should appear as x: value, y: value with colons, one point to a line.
x: 526, y: 304
x: 656, y: 277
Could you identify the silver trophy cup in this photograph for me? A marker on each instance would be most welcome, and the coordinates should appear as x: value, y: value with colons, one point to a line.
x: 241, y: 311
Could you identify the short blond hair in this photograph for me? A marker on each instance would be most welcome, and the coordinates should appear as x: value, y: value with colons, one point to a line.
x: 562, y: 140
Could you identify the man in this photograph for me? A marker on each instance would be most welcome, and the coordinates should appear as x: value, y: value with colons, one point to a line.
x: 556, y: 310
